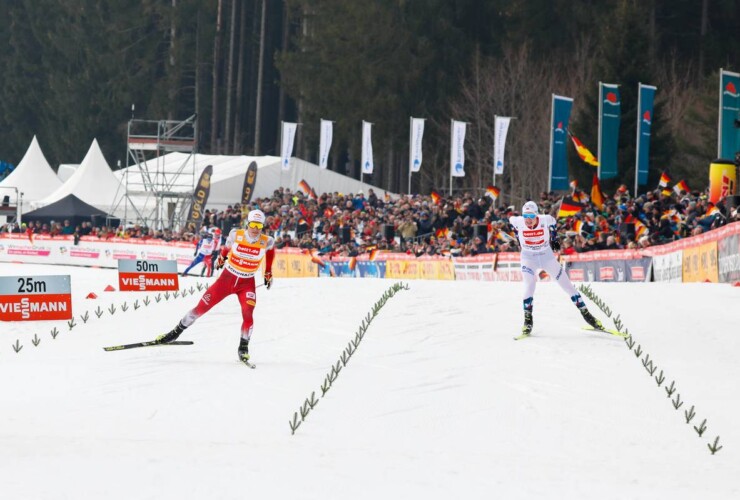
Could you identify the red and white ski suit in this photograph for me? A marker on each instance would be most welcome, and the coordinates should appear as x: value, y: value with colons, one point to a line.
x: 243, y: 260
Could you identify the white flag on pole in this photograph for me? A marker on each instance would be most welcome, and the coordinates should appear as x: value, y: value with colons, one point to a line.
x: 417, y: 134
x: 367, y: 148
x: 286, y: 144
x: 457, y: 149
x: 501, y: 128
x: 325, y: 143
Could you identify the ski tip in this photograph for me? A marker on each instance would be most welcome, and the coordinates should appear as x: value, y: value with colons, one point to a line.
x: 522, y: 336
x: 616, y: 333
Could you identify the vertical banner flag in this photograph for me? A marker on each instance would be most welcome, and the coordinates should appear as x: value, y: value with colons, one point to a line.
x: 610, y: 113
x: 250, y: 179
x: 325, y: 138
x: 286, y: 144
x: 200, y: 198
x: 417, y: 134
x: 646, y: 96
x: 729, y: 113
x: 558, y: 178
x: 500, y: 129
x: 367, y: 148
x: 457, y: 149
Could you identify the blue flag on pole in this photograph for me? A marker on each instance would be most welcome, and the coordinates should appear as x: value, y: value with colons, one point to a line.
x: 646, y: 97
x: 558, y: 178
x: 610, y: 115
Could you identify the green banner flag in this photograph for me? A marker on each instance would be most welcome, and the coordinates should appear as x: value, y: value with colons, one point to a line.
x: 729, y: 115
x: 610, y: 114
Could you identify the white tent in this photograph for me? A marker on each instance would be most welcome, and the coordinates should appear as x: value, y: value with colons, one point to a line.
x: 228, y: 176
x: 93, y: 182
x: 65, y: 171
x: 33, y: 177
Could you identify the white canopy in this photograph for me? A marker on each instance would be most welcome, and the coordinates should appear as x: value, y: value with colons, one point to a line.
x: 93, y: 182
x: 65, y: 171
x: 33, y: 177
x: 228, y: 176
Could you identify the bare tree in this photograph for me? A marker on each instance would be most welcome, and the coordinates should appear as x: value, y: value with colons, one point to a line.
x: 260, y: 70
x: 236, y: 149
x: 230, y: 79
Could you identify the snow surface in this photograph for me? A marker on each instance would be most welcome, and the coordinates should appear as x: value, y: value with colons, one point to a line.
x: 437, y: 402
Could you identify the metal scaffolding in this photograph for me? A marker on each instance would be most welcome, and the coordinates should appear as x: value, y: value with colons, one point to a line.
x: 158, y: 195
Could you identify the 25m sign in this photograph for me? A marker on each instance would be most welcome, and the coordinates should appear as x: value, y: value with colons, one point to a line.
x: 35, y: 298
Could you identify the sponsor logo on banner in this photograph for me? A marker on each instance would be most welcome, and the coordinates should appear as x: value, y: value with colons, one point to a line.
x: 85, y: 253
x: 646, y: 117
x: 121, y: 255
x: 143, y: 275
x: 638, y: 273
x: 730, y: 90
x: 576, y: 274
x: 611, y: 99
x: 35, y: 298
x: 606, y: 273
x: 35, y: 251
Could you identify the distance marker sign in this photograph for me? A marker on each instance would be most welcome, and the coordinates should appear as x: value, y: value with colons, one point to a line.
x: 147, y: 275
x: 35, y: 298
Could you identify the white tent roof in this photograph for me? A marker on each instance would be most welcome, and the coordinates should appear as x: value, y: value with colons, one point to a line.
x: 65, y: 171
x: 33, y: 176
x: 228, y: 176
x: 93, y: 182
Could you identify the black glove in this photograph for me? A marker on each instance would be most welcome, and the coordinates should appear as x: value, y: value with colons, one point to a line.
x: 555, y: 244
x: 268, y: 279
x: 220, y: 261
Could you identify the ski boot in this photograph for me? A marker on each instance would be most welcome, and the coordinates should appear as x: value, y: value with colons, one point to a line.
x: 171, y: 335
x: 527, y: 328
x: 244, y: 350
x: 590, y: 319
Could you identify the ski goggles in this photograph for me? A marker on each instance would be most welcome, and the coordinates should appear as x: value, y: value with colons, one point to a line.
x: 255, y: 225
x: 529, y: 215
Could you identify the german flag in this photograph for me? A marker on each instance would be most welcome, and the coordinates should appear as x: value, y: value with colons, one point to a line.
x: 303, y: 186
x: 578, y: 226
x: 442, y: 232
x: 713, y: 210
x: 493, y: 191
x: 597, y: 197
x: 666, y: 192
x: 583, y: 152
x: 436, y: 198
x: 574, y: 185
x: 352, y: 263
x: 568, y: 207
x: 640, y: 229
x: 664, y: 180
x: 681, y: 186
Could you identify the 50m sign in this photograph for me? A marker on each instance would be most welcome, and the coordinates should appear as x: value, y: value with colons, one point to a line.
x: 35, y: 298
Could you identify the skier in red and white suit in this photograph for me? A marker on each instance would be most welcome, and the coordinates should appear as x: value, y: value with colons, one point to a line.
x: 537, y: 237
x: 242, y: 254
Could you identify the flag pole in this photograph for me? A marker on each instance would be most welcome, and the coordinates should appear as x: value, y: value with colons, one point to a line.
x: 601, y: 106
x: 637, y: 148
x: 452, y: 141
x: 411, y: 150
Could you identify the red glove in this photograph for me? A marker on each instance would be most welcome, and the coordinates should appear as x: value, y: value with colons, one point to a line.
x: 268, y: 279
x: 220, y: 261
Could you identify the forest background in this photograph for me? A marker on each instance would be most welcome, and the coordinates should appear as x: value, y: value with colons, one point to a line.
x: 70, y: 72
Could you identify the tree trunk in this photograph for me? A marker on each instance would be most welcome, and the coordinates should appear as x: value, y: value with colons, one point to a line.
x: 216, y: 66
x: 197, y: 77
x: 172, y: 69
x: 230, y: 80
x: 260, y: 70
x: 703, y: 34
x: 237, y: 142
x: 281, y: 91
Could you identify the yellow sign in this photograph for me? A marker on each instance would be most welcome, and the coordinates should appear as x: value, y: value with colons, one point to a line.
x: 722, y: 180
x: 291, y: 265
x: 700, y: 263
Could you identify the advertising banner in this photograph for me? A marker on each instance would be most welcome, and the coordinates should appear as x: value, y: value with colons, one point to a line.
x: 367, y: 148
x: 728, y: 250
x: 626, y: 270
x: 668, y: 268
x: 200, y: 198
x: 729, y: 111
x: 560, y: 116
x: 457, y: 149
x: 250, y: 179
x: 415, y: 150
x: 325, y: 138
x: 646, y: 96
x: 700, y: 263
x: 35, y: 298
x: 610, y: 115
x: 147, y: 275
x: 722, y: 180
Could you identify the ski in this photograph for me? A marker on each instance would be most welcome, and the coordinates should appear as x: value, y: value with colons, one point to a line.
x: 248, y: 363
x: 146, y: 344
x: 522, y: 336
x: 605, y: 330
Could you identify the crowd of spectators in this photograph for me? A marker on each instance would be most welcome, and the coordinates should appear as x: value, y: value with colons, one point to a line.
x: 351, y: 224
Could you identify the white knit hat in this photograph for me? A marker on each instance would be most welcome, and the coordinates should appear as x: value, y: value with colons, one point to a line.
x: 256, y: 216
x: 530, y: 208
